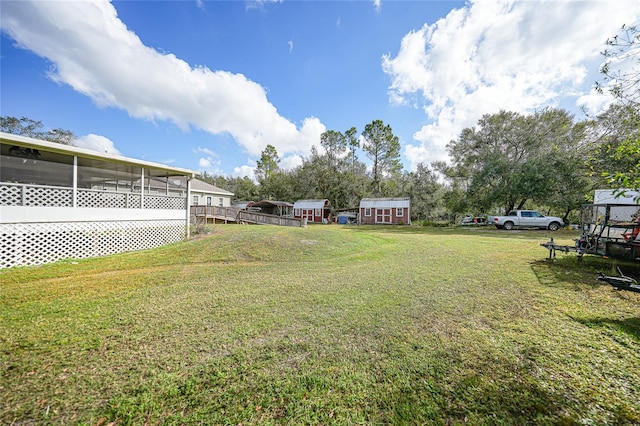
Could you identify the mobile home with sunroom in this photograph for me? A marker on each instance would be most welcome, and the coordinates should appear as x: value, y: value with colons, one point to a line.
x: 60, y: 202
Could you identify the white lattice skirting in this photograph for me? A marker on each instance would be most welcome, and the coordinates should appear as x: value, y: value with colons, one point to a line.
x: 38, y: 243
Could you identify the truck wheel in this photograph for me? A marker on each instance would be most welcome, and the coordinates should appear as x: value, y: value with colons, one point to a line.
x: 554, y: 226
x: 508, y: 226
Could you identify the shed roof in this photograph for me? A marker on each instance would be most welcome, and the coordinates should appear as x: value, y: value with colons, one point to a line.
x: 385, y: 202
x: 311, y: 204
x: 242, y: 204
x: 155, y: 168
x: 263, y: 203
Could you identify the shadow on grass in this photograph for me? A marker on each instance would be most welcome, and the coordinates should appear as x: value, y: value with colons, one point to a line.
x: 629, y: 326
x: 515, y: 401
x: 568, y: 272
x: 565, y: 273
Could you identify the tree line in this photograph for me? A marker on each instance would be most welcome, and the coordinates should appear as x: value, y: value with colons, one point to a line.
x: 545, y: 160
x: 508, y: 160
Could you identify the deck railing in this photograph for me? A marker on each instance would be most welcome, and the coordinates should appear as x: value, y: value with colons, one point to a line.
x: 269, y: 219
x: 219, y: 212
x: 200, y: 214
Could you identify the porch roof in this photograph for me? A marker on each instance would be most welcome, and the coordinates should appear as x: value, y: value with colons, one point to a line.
x: 155, y: 169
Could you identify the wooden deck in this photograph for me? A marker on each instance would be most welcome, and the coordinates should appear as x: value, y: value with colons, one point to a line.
x: 207, y: 214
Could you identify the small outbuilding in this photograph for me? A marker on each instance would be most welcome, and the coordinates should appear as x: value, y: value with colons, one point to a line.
x: 346, y: 217
x: 314, y: 211
x: 276, y: 208
x: 385, y: 211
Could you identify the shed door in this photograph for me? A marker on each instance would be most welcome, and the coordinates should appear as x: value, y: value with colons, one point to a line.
x: 307, y: 214
x: 383, y: 215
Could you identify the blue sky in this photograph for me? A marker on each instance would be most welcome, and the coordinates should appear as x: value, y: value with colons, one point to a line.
x: 206, y: 85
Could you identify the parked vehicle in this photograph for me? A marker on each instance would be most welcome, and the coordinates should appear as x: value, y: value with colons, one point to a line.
x: 526, y: 219
x: 473, y: 221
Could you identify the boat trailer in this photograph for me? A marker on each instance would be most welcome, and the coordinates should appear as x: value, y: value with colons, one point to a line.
x: 621, y: 282
x: 608, y: 231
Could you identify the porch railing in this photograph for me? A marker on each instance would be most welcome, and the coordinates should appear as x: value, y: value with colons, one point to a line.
x: 17, y: 194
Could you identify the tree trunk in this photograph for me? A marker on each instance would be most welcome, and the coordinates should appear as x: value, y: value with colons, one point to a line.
x: 524, y: 200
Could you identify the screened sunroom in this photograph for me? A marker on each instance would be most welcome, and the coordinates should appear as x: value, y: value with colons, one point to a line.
x: 59, y: 202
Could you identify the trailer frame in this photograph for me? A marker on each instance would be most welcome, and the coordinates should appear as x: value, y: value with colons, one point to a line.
x: 608, y: 230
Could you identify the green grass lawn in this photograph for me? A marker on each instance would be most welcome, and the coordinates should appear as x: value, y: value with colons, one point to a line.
x: 322, y: 325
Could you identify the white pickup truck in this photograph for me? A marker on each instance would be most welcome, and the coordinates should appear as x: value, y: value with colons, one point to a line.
x: 526, y: 219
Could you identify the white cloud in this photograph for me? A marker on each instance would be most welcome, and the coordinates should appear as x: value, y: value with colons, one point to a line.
x: 149, y: 84
x: 207, y: 151
x: 290, y: 162
x: 287, y: 162
x: 210, y: 162
x: 290, y: 43
x: 377, y: 5
x: 210, y: 165
x: 204, y: 163
x: 259, y: 4
x: 593, y: 102
x: 244, y: 171
x: 96, y: 143
x: 500, y: 54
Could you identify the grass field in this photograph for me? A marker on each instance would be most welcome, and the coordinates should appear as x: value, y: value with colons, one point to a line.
x: 323, y: 325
